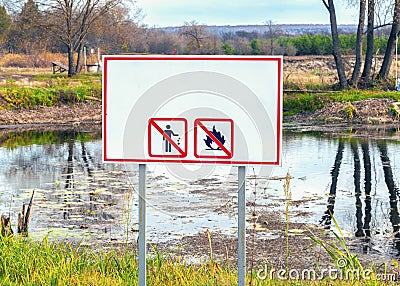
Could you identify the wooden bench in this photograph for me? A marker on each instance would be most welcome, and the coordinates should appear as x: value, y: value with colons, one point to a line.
x: 59, y: 67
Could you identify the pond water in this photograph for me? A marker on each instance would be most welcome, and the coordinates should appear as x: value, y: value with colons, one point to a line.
x: 78, y: 198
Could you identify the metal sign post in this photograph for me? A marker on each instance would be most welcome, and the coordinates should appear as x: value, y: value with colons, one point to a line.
x: 142, y: 225
x: 209, y: 110
x: 241, y: 225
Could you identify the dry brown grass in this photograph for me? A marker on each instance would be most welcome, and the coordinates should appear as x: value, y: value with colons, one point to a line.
x: 303, y: 72
x: 300, y: 72
x: 38, y: 60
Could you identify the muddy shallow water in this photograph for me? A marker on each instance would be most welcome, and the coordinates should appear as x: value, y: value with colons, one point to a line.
x: 354, y: 175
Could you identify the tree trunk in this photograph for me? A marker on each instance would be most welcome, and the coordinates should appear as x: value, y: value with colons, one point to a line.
x: 78, y: 66
x: 391, y: 44
x: 71, y: 68
x: 369, y: 53
x: 360, y: 29
x: 336, y: 44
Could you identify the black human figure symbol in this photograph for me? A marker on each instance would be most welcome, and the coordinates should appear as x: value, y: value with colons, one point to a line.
x: 169, y: 133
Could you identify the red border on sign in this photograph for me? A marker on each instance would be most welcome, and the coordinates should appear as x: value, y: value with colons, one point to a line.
x: 153, y: 123
x: 278, y: 122
x: 198, y: 122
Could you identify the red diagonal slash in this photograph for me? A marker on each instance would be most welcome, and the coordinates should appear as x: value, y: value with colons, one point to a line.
x: 169, y: 139
x: 220, y: 145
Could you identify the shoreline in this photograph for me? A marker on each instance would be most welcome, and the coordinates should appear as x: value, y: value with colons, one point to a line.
x: 371, y: 114
x: 63, y: 115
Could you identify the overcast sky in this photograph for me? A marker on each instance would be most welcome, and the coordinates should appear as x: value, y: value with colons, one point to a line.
x: 164, y: 13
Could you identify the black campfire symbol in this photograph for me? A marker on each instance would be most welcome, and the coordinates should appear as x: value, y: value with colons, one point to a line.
x: 218, y: 136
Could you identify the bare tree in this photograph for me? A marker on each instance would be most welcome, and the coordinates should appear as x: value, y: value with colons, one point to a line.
x: 271, y: 35
x: 369, y: 53
x: 71, y: 21
x: 360, y: 29
x: 195, y: 34
x: 391, y: 44
x: 118, y: 31
x: 161, y: 42
x: 336, y: 44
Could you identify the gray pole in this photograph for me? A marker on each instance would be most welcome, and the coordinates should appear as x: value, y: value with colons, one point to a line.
x: 84, y: 58
x: 241, y: 225
x: 142, y: 225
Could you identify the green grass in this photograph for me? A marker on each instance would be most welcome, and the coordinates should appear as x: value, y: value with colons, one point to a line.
x: 301, y: 102
x: 26, y: 262
x: 50, y: 90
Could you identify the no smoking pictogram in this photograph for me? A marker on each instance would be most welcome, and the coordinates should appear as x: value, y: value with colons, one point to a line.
x: 213, y: 138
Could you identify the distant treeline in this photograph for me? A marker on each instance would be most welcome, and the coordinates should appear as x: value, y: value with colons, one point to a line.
x: 316, y: 44
x: 196, y: 39
x: 30, y: 30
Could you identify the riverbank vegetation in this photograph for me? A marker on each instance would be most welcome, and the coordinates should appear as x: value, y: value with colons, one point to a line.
x: 25, y: 262
x: 35, y: 88
x: 45, y: 89
x: 26, y: 89
x: 308, y: 102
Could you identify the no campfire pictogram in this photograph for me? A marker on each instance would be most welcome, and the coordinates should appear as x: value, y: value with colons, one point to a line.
x: 167, y: 137
x: 213, y: 138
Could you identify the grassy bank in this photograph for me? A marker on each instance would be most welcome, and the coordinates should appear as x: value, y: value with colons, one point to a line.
x: 49, y: 90
x: 32, y: 263
x: 24, y: 262
x: 297, y: 102
x: 46, y: 89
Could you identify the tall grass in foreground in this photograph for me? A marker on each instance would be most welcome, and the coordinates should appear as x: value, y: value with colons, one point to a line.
x: 24, y: 262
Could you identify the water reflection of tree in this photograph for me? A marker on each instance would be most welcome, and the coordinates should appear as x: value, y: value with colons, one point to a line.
x: 367, y: 190
x: 69, y: 180
x: 86, y: 164
x: 35, y: 158
x: 393, y: 192
x: 357, y: 187
x: 86, y: 157
x: 363, y: 227
x: 327, y: 217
